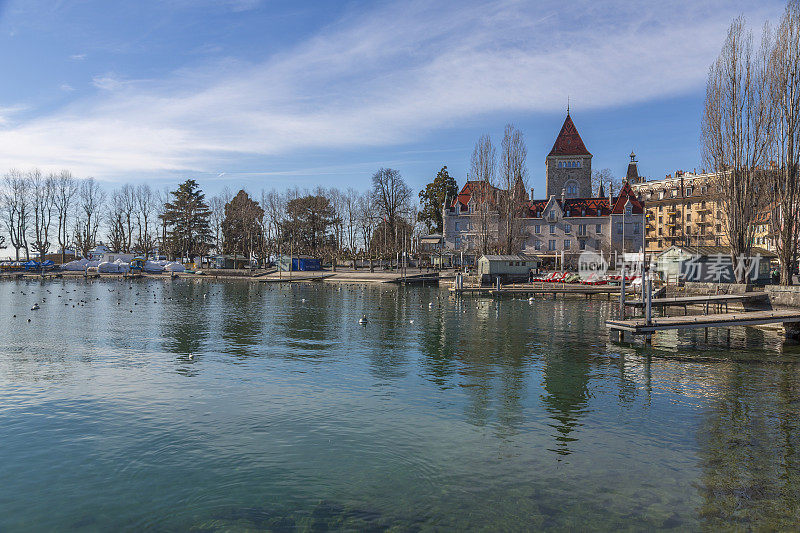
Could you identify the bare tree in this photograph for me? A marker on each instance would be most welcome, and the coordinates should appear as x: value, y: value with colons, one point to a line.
x: 162, y: 198
x: 482, y: 170
x: 16, y: 213
x: 605, y: 179
x: 736, y: 138
x: 367, y: 219
x: 274, y: 208
x: 66, y: 189
x: 116, y: 236
x: 90, y: 203
x: 44, y: 190
x: 784, y: 180
x: 217, y: 206
x: 351, y: 198
x: 337, y: 199
x: 145, y: 201
x: 513, y: 182
x: 391, y: 196
x: 123, y: 202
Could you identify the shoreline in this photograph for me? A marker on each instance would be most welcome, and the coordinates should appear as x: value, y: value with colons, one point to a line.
x: 329, y: 276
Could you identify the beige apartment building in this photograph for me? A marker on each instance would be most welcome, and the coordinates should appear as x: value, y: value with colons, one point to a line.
x: 681, y: 210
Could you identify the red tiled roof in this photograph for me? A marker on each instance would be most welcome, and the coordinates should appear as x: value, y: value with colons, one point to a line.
x: 569, y: 141
x: 577, y: 207
x: 624, y: 195
x: 466, y: 193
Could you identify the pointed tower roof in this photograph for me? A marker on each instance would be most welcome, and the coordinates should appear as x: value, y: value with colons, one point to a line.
x: 569, y: 141
x: 632, y: 175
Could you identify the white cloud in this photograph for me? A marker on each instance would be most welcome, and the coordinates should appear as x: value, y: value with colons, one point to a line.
x: 7, y: 114
x: 77, y: 57
x: 67, y: 88
x: 388, y: 76
x: 107, y: 82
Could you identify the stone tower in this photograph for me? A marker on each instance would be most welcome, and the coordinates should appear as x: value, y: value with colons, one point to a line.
x: 569, y: 164
x: 632, y: 176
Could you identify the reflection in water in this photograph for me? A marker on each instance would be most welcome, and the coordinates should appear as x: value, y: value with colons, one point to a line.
x: 242, y: 321
x: 566, y: 383
x: 442, y: 413
x: 749, y: 443
x: 183, y: 316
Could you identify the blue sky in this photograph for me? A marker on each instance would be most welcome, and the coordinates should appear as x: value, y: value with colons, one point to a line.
x: 268, y: 93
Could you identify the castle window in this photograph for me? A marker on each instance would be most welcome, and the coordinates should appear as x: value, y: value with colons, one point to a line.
x: 572, y: 190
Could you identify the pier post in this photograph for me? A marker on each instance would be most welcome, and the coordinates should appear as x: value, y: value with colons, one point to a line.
x: 792, y: 330
x: 649, y: 301
x: 622, y: 290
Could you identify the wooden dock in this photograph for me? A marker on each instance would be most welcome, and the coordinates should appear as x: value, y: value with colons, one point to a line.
x: 707, y: 300
x: 296, y: 277
x: 639, y: 326
x: 587, y: 291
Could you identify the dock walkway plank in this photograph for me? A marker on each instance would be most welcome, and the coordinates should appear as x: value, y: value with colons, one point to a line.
x: 749, y: 318
x: 699, y: 300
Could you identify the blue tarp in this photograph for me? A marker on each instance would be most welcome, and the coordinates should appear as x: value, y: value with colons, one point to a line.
x: 33, y: 265
x: 306, y: 264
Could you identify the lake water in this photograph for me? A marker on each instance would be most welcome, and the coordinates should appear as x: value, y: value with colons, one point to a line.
x: 177, y: 405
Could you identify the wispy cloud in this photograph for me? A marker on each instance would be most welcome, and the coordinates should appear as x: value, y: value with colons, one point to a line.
x: 384, y: 77
x: 77, y: 57
x: 107, y: 82
x: 8, y: 113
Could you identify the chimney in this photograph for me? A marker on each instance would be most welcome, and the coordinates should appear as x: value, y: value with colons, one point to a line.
x: 532, y: 196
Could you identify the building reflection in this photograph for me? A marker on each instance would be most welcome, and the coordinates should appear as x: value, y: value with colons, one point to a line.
x: 750, y: 451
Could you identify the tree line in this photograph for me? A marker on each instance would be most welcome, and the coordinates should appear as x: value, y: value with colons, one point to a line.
x: 42, y: 213
x: 751, y: 136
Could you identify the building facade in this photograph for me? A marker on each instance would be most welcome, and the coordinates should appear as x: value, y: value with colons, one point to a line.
x: 681, y: 210
x: 569, y: 221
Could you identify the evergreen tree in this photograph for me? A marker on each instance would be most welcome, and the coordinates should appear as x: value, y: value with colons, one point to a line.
x: 432, y: 198
x: 187, y: 217
x: 241, y: 227
x: 308, y: 224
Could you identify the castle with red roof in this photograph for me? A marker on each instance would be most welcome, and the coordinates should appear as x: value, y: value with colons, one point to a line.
x: 568, y: 221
